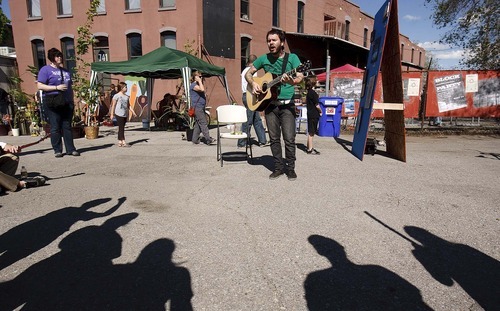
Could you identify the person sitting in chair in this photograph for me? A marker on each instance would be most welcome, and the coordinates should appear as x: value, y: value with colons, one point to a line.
x: 8, y: 166
x: 166, y: 109
x: 169, y: 110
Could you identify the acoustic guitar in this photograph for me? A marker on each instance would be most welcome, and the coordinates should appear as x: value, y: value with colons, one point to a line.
x: 268, y: 85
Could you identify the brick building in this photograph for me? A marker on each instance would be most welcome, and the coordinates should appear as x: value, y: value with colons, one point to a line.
x: 228, y: 30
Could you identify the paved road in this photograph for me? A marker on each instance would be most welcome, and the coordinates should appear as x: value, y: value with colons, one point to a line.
x: 130, y: 228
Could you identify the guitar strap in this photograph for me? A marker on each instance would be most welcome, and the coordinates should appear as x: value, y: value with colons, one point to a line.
x: 283, y: 70
x: 285, y: 61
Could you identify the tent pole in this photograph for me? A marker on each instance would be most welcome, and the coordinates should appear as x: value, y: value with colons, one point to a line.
x: 328, y: 58
x: 149, y: 88
x: 227, y: 90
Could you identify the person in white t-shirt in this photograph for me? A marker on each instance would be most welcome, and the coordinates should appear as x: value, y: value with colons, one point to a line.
x: 120, y: 108
x: 253, y: 117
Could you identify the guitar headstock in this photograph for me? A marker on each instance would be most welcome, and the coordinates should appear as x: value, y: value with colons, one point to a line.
x: 304, y: 66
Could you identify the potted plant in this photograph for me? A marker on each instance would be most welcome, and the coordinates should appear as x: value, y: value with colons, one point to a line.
x: 20, y: 102
x: 5, y: 125
x: 77, y: 126
x: 15, y: 123
x: 183, y: 115
x: 32, y: 115
x: 90, y: 113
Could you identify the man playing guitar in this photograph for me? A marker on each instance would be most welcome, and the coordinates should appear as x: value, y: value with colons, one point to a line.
x: 280, y: 110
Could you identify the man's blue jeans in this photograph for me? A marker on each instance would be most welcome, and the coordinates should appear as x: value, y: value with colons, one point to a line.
x: 60, y: 121
x: 281, y: 119
x: 254, y: 119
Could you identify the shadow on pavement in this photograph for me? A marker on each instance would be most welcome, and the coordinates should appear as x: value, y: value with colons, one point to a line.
x: 93, y: 148
x: 138, y: 141
x: 489, y: 155
x: 477, y: 273
x: 82, y: 276
x: 23, y: 153
x: 266, y: 160
x: 29, y: 237
x: 301, y: 147
x: 348, y: 286
x: 344, y: 143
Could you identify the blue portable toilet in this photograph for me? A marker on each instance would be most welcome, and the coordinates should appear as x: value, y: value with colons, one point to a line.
x: 329, y: 122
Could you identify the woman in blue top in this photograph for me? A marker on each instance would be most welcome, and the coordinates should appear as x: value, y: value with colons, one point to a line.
x: 198, y: 101
x: 53, y: 79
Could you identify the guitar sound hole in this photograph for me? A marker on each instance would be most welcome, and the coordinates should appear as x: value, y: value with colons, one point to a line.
x: 264, y: 88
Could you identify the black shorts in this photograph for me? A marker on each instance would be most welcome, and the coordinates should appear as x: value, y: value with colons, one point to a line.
x: 312, y: 126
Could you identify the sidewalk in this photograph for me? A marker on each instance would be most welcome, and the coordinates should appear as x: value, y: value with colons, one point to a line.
x: 355, y: 235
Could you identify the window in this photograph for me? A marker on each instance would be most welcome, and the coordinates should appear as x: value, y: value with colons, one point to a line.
x: 412, y: 52
x: 276, y: 13
x: 133, y: 4
x: 101, y: 49
x: 134, y: 45
x: 300, y: 17
x: 245, y: 9
x: 167, y: 4
x: 365, y: 37
x: 402, y: 50
x: 245, y: 51
x: 168, y: 39
x: 420, y: 58
x: 347, y: 26
x: 34, y: 8
x: 38, y: 50
x: 68, y: 50
x: 63, y: 7
x: 102, y: 7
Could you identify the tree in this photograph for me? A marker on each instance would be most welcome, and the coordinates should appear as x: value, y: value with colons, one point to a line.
x: 3, y: 22
x: 81, y: 83
x: 474, y: 26
x: 430, y: 62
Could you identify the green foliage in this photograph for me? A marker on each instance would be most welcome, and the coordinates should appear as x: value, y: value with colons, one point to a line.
x: 33, y: 70
x: 474, y: 26
x: 81, y: 83
x: 190, y: 48
x: 19, y: 97
x: 3, y: 21
x: 18, y: 118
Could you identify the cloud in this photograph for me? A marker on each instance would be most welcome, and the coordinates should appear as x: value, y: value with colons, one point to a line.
x: 411, y: 17
x: 434, y: 46
x: 453, y: 54
x: 442, y: 51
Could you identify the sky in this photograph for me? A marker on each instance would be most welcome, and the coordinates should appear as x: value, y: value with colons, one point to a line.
x: 414, y: 22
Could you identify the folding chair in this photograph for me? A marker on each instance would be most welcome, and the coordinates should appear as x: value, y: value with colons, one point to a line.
x: 301, y: 118
x: 232, y: 114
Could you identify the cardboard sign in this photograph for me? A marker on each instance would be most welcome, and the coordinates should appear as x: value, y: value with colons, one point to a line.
x: 370, y: 79
x: 384, y: 56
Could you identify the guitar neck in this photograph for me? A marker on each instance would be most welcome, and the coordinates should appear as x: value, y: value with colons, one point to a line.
x: 34, y: 143
x: 278, y: 78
